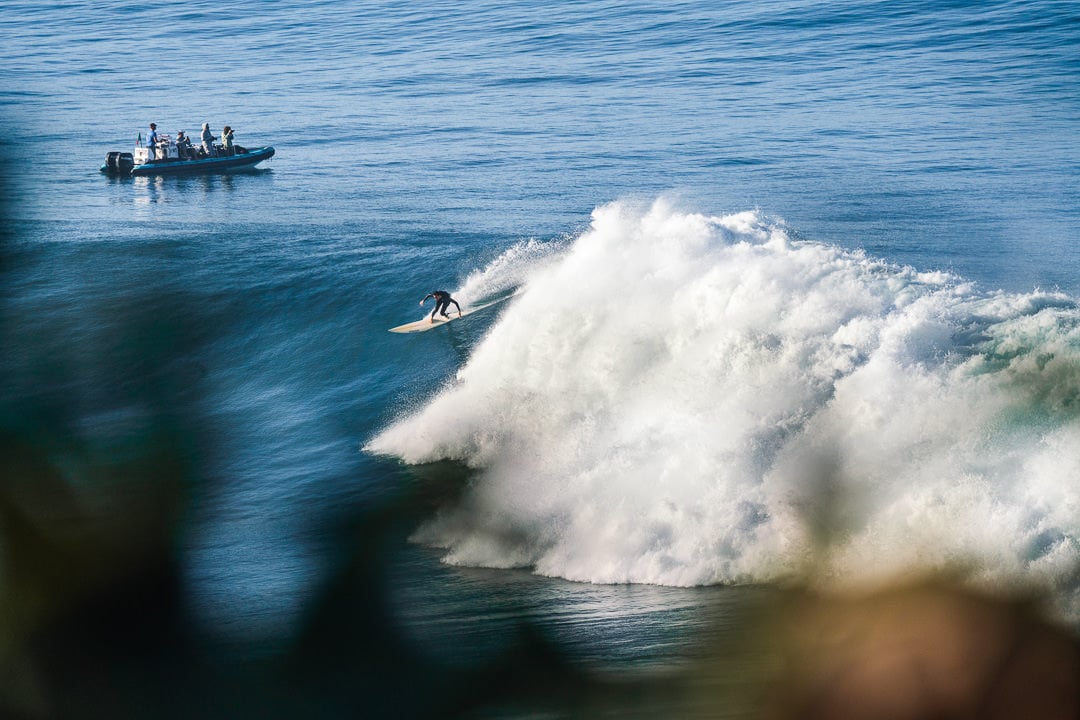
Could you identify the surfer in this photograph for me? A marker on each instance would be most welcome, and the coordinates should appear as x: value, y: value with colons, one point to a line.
x: 442, y: 303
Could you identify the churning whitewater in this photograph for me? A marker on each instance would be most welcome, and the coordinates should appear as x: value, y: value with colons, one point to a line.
x: 681, y: 399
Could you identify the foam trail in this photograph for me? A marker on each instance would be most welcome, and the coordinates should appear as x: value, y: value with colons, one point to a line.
x: 674, y: 397
x: 503, y: 274
x: 508, y: 271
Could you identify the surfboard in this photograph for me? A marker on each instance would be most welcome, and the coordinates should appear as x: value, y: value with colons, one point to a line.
x: 426, y: 324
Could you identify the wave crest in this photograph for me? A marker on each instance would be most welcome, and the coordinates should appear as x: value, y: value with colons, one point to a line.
x: 682, y: 399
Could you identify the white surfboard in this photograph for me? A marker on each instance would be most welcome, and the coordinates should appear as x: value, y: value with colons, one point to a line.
x: 426, y: 324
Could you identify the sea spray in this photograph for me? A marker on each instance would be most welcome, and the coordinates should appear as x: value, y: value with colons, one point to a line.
x: 508, y: 271
x: 677, y: 399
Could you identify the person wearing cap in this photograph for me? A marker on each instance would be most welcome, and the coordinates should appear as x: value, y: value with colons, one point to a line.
x: 152, y: 139
x: 183, y: 145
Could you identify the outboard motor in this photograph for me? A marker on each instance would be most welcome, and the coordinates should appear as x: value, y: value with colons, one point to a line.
x: 119, y: 163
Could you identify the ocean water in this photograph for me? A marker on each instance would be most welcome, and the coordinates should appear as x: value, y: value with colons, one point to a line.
x: 794, y: 285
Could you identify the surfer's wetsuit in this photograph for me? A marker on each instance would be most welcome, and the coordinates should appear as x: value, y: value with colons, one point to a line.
x: 442, y: 302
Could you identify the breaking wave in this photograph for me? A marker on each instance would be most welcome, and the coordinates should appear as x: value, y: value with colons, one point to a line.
x: 680, y: 399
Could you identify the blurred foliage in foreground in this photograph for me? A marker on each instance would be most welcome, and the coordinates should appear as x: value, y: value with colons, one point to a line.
x: 101, y: 459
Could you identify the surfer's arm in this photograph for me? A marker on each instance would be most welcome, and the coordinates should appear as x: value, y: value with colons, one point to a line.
x: 426, y: 297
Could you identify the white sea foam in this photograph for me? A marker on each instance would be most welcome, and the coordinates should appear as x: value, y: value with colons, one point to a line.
x: 681, y: 399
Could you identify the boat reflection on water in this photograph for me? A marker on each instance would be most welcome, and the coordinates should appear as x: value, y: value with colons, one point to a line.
x: 190, y: 189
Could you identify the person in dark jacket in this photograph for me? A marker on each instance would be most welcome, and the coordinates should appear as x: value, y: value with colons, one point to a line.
x: 442, y: 303
x: 183, y: 146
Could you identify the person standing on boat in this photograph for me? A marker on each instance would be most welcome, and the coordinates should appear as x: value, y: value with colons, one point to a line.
x: 207, y: 138
x: 152, y: 140
x: 442, y: 303
x: 226, y: 140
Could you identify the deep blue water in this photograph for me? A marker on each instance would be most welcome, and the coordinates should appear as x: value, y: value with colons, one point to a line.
x: 827, y: 206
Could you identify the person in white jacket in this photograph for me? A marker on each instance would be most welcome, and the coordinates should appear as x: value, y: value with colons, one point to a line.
x: 208, y: 141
